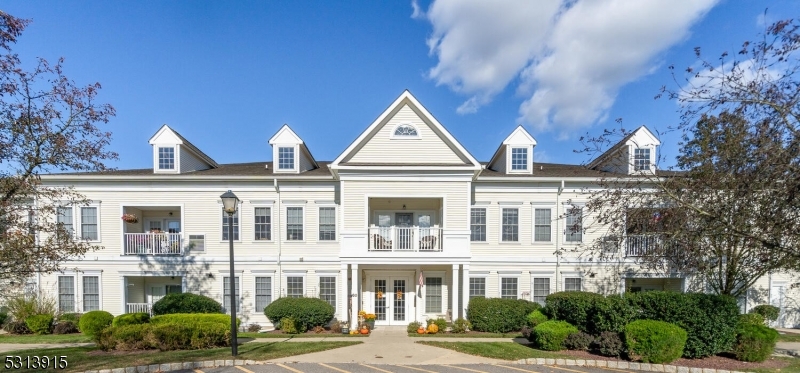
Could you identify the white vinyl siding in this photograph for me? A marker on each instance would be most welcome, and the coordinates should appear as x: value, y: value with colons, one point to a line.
x: 189, y: 162
x: 91, y: 293
x: 89, y: 224
x: 295, y: 286
x: 327, y: 223
x: 226, y: 294
x: 263, y: 293
x: 263, y: 223
x: 294, y: 223
x: 433, y: 294
x: 510, y: 227
x: 478, y: 225
x: 327, y: 289
x: 509, y: 287
x: 66, y: 294
x: 542, y: 225
x: 234, y: 219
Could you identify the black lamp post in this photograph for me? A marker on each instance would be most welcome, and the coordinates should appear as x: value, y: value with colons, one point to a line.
x: 229, y: 204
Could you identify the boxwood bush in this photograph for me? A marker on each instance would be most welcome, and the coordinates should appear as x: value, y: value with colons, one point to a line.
x: 95, y: 321
x: 194, y: 318
x: 574, y: 307
x: 497, y: 315
x: 754, y: 343
x: 654, y: 342
x: 550, y: 335
x: 40, y: 324
x: 306, y: 312
x: 131, y: 319
x: 770, y: 313
x: 611, y: 314
x: 535, y: 318
x: 186, y: 303
x: 74, y: 317
x: 164, y: 336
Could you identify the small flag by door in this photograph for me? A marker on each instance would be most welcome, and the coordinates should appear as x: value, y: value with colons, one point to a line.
x: 420, y: 281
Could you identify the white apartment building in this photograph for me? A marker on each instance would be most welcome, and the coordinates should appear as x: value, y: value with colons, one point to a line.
x: 405, y: 223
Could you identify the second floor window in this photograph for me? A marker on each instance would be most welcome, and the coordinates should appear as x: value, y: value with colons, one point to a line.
x: 478, y: 225
x: 574, y: 229
x: 286, y: 158
x: 89, y: 223
x: 519, y: 159
x: 327, y: 223
x: 64, y: 219
x: 226, y: 221
x: 541, y: 229
x: 263, y: 223
x: 641, y: 159
x: 510, y: 225
x: 166, y: 158
x: 294, y: 223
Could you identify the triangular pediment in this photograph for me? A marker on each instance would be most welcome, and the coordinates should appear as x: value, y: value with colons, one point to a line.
x: 285, y: 135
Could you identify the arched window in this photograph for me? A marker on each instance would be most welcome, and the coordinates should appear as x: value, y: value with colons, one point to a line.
x: 405, y: 130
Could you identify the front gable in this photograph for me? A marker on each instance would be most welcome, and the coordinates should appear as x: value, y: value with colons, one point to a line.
x: 286, y: 144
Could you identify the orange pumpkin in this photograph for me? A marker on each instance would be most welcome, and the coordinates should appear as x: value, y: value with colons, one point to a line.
x: 433, y: 329
x: 421, y: 330
x: 364, y: 330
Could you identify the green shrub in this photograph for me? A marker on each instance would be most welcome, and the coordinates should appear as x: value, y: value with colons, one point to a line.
x: 306, y: 312
x: 574, y: 307
x: 578, y: 341
x: 441, y: 323
x: 497, y: 315
x: 94, y: 321
x: 653, y: 341
x: 74, y: 317
x: 21, y: 307
x: 461, y: 325
x: 609, y: 344
x: 289, y: 325
x: 164, y: 336
x: 770, y: 313
x: 535, y: 318
x: 65, y: 327
x: 169, y: 337
x: 611, y: 313
x: 754, y: 343
x: 40, y: 324
x: 186, y: 303
x: 131, y: 319
x: 550, y: 335
x: 413, y: 326
x: 194, y: 318
x: 210, y: 335
x: 751, y: 319
x: 130, y: 337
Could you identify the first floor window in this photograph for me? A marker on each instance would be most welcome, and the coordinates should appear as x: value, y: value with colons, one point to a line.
x: 294, y: 223
x: 541, y: 289
x: 91, y: 293
x: 263, y: 223
x: 508, y: 288
x: 226, y: 221
x: 477, y: 287
x: 66, y: 293
x: 510, y: 225
x: 478, y: 225
x: 89, y: 223
x: 574, y: 229
x: 327, y: 223
x: 226, y: 294
x: 263, y: 293
x: 327, y: 290
x: 294, y: 287
x: 541, y: 228
x: 572, y: 284
x: 433, y: 294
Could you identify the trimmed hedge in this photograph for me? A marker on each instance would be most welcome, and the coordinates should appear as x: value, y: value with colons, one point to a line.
x: 93, y: 322
x: 754, y: 343
x: 550, y: 335
x: 535, y: 318
x: 574, y: 307
x: 497, y: 315
x: 164, y: 336
x: 654, y: 342
x: 306, y: 312
x: 131, y: 319
x: 40, y: 324
x: 611, y: 314
x: 194, y: 319
x: 770, y: 313
x: 186, y: 303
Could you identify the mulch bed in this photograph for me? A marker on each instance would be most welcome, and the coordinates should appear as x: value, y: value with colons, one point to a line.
x: 118, y: 353
x: 713, y: 362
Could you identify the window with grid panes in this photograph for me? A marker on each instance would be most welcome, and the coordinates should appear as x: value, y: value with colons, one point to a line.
x: 263, y: 223
x: 294, y: 287
x: 327, y: 290
x: 508, y: 287
x: 541, y: 225
x: 166, y: 158
x: 286, y: 158
x: 478, y: 225
x: 519, y: 159
x: 89, y: 223
x: 233, y: 219
x: 294, y: 223
x: 572, y: 284
x: 226, y: 294
x: 66, y: 293
x: 641, y: 159
x: 327, y: 223
x: 263, y: 293
x: 91, y: 293
x: 64, y: 219
x: 433, y: 294
x: 574, y: 228
x: 541, y: 289
x: 477, y: 287
x: 510, y: 225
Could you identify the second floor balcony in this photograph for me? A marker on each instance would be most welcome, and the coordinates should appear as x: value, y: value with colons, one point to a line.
x: 152, y: 230
x: 646, y: 244
x: 401, y: 238
x: 155, y: 243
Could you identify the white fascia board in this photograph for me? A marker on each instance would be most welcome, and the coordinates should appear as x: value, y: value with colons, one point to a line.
x: 519, y: 134
x: 146, y: 178
x: 281, y: 136
x: 417, y: 168
x: 165, y: 128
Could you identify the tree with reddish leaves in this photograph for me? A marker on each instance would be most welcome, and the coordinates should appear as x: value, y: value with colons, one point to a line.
x: 48, y: 123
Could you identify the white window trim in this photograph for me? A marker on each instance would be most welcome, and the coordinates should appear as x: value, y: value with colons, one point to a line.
x: 485, y: 209
x: 534, y: 207
x: 285, y: 221
x: 277, y: 159
x: 267, y: 204
x: 394, y: 128
x: 285, y: 282
x: 503, y: 206
x: 77, y: 293
x: 528, y: 163
x: 501, y: 275
x: 445, y: 291
x: 335, y: 220
x: 177, y: 150
x: 336, y: 278
x: 223, y: 213
x: 238, y: 276
x: 484, y: 276
x: 271, y: 276
x: 99, y: 275
x: 651, y: 166
x: 79, y: 230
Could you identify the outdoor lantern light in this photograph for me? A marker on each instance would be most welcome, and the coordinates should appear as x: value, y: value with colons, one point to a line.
x: 229, y: 204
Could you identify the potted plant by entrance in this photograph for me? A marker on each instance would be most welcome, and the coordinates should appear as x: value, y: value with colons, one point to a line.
x: 369, y: 319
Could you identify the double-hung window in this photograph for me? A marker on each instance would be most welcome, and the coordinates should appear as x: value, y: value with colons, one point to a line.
x: 541, y: 225
x: 66, y: 294
x: 64, y: 220
x: 227, y: 220
x: 89, y: 223
x: 477, y: 287
x: 226, y: 294
x: 294, y: 223
x: 294, y: 287
x: 263, y: 293
x: 327, y: 290
x: 641, y: 159
x: 519, y: 159
x: 91, y: 293
x: 433, y: 294
x: 574, y: 228
x: 541, y: 289
x: 572, y: 284
x: 166, y: 158
x: 327, y: 223
x: 510, y: 225
x: 509, y: 287
x: 478, y: 225
x: 286, y: 158
x: 263, y: 223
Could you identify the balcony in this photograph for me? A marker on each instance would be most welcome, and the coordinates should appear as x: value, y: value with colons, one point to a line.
x: 153, y: 244
x: 644, y: 244
x: 405, y: 239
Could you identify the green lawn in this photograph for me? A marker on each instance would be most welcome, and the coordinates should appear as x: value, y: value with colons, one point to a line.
x: 467, y: 335
x: 49, y: 338
x: 793, y: 367
x: 789, y: 337
x: 91, y: 358
x: 496, y: 350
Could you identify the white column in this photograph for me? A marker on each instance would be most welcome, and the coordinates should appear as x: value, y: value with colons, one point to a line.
x: 345, y: 298
x: 354, y: 295
x: 454, y: 310
x: 184, y: 287
x: 124, y: 293
x: 465, y: 291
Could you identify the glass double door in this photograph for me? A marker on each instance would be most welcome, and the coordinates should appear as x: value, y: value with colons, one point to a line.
x: 390, y: 299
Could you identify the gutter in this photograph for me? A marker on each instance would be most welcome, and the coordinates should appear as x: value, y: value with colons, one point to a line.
x: 278, y: 238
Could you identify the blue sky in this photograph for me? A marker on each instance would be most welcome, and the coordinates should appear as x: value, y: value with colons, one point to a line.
x: 227, y: 75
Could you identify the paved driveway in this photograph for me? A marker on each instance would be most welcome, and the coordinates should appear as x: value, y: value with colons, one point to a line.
x: 385, y: 368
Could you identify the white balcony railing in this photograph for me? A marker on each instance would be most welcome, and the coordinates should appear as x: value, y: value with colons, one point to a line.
x: 395, y: 238
x: 139, y: 307
x: 153, y: 244
x: 645, y: 244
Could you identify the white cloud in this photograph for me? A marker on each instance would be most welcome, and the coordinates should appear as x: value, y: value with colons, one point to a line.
x: 416, y: 11
x: 571, y: 57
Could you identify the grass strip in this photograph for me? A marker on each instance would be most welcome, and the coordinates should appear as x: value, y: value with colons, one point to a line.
x: 47, y: 338
x: 466, y: 335
x: 496, y: 350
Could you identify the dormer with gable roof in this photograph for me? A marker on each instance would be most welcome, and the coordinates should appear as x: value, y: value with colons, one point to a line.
x: 289, y: 153
x: 515, y: 154
x: 173, y: 154
x: 634, y: 154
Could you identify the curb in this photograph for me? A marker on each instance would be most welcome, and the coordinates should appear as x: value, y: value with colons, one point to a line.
x: 622, y: 365
x: 787, y: 352
x: 155, y: 368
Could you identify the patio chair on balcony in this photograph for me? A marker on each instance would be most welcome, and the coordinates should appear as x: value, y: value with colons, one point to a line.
x: 380, y: 243
x: 427, y: 243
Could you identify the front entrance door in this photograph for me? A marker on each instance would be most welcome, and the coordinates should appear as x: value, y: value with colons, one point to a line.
x: 391, y: 299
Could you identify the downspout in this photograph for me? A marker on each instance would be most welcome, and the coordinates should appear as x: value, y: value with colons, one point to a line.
x: 558, y: 238
x: 278, y: 238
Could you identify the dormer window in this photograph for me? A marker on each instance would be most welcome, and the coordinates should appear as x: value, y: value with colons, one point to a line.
x: 641, y: 159
x: 286, y: 158
x: 166, y: 158
x: 519, y: 159
x: 406, y: 130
